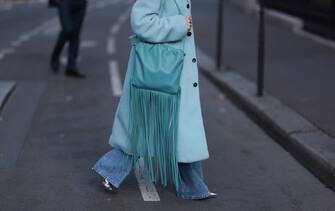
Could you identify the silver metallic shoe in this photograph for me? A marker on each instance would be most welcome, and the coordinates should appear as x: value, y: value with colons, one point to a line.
x: 109, y: 186
x: 212, y: 195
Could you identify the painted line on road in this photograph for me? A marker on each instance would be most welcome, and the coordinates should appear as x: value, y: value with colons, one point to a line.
x: 15, y: 43
x: 63, y: 60
x: 115, y: 80
x: 102, y: 4
x: 120, y: 21
x: 24, y: 37
x: 115, y: 29
x: 89, y: 44
x: 111, y: 45
x: 148, y: 189
x: 6, y: 51
x: 6, y: 6
x: 52, y: 30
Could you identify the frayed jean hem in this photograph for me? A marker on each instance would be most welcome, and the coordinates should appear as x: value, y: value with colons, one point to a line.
x: 193, y: 197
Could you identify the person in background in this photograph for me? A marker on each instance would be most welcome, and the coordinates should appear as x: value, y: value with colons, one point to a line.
x: 71, y: 16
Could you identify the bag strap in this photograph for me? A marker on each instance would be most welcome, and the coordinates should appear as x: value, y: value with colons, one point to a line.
x: 180, y: 13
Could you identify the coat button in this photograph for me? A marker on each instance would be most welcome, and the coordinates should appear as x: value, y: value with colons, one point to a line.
x: 188, y: 6
x: 189, y: 33
x: 194, y: 60
x: 195, y: 84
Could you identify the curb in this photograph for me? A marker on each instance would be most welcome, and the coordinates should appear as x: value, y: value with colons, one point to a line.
x: 275, y: 17
x: 6, y: 88
x: 306, y: 142
x: 283, y: 20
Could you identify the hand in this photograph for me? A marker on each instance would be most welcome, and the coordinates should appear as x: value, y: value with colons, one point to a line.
x: 189, y: 21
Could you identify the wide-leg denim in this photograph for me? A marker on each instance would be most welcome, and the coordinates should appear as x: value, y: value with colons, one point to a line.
x: 116, y: 165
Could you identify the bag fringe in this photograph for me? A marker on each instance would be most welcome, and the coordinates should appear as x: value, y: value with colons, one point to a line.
x: 153, y: 126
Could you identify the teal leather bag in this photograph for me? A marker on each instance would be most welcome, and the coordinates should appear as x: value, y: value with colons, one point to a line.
x: 154, y: 107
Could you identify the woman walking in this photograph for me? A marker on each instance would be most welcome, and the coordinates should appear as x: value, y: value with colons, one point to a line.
x: 158, y: 122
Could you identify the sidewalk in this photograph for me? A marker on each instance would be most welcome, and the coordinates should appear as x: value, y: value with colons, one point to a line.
x: 300, y: 120
x: 298, y: 71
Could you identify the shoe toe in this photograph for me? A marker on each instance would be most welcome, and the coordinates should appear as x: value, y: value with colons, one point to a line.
x: 212, y: 195
x: 109, y: 186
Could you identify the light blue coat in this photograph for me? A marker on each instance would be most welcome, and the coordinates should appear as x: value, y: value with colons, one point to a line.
x: 158, y: 21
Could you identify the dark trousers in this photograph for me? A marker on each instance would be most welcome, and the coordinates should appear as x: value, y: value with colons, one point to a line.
x: 71, y: 17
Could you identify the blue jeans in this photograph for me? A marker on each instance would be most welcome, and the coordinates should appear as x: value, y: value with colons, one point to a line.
x: 116, y: 165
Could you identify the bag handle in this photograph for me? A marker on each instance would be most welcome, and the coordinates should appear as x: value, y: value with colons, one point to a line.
x: 180, y: 13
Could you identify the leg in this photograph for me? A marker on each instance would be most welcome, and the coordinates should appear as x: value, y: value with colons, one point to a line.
x: 61, y: 40
x: 192, y: 185
x: 64, y: 35
x: 77, y: 16
x: 114, y: 166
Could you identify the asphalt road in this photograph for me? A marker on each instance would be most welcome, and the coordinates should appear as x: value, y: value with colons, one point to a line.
x: 53, y: 129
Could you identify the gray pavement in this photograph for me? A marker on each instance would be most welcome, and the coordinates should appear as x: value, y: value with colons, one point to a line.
x: 298, y: 71
x: 13, y: 26
x: 69, y: 123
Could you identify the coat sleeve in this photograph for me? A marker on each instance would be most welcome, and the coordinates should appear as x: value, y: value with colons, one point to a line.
x: 148, y: 25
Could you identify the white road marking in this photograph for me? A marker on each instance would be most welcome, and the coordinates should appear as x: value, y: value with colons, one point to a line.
x: 16, y: 43
x: 111, y: 45
x: 52, y: 30
x: 102, y: 4
x: 6, y: 6
x: 115, y: 29
x: 88, y: 44
x: 115, y: 80
x: 148, y: 189
x: 5, y: 51
x: 124, y: 16
x: 63, y: 60
x: 120, y: 21
x: 24, y: 37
